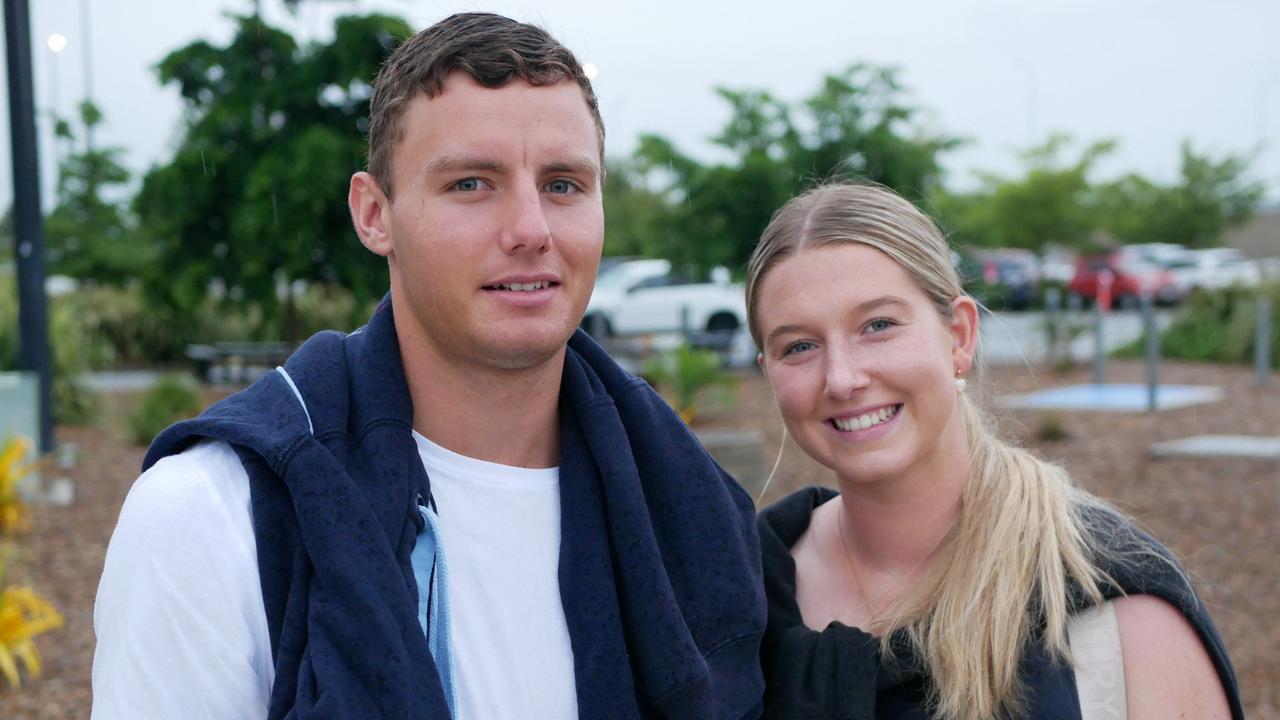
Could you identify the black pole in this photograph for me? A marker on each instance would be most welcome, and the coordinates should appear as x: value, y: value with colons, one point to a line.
x: 28, y: 232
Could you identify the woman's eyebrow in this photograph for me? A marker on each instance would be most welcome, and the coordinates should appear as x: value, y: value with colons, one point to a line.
x: 882, y: 302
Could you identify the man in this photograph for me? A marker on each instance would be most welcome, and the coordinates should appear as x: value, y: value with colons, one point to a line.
x: 463, y: 509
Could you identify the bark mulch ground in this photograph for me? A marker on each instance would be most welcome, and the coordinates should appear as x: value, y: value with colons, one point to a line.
x: 1222, y: 516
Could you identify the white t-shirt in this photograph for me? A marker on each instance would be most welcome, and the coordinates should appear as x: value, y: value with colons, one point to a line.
x: 180, y: 623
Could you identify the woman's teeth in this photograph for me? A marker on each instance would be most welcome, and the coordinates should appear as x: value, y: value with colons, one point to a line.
x: 862, y: 422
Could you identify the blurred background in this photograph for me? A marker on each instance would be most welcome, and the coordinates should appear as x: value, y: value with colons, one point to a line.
x: 1108, y: 175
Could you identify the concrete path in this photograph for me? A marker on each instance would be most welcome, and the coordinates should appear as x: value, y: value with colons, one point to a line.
x: 1112, y: 397
x: 1018, y: 337
x: 1236, y: 446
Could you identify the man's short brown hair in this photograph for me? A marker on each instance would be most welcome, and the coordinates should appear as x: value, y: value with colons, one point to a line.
x: 492, y: 49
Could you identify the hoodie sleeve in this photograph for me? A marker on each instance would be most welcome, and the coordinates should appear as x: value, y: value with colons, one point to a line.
x: 179, y: 618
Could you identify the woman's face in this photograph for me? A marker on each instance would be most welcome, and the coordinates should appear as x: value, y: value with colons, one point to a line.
x: 861, y: 362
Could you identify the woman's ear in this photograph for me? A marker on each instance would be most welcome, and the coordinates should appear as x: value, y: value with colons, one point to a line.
x: 964, y: 332
x: 370, y: 210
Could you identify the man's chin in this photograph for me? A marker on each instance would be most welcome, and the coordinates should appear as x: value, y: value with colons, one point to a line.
x: 524, y: 351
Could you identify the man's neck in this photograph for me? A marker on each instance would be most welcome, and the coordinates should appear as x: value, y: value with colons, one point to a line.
x: 510, y: 417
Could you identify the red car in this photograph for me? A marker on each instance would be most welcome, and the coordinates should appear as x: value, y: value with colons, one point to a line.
x: 1131, y: 276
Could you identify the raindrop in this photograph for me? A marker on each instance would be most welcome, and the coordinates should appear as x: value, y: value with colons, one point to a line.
x: 275, y: 212
x: 203, y: 166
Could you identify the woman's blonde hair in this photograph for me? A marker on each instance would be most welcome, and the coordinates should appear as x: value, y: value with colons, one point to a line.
x: 1021, y: 538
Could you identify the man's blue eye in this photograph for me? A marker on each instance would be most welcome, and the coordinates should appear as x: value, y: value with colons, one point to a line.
x: 467, y: 184
x: 560, y: 187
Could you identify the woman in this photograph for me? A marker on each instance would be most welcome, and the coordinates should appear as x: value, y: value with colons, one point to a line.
x: 953, y: 576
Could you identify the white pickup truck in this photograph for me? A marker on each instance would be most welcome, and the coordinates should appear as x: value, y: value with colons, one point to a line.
x: 634, y: 297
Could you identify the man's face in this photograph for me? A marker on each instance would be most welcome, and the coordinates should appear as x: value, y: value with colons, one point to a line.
x: 496, y: 225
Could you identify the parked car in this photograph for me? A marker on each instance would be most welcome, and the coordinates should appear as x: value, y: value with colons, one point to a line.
x: 1132, y: 274
x: 1000, y: 279
x: 1162, y: 254
x: 645, y: 296
x: 1214, y: 269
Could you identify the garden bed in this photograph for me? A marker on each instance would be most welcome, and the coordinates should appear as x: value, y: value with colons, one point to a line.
x: 1221, y: 516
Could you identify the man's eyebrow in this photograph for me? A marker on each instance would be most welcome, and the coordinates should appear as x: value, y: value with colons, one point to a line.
x: 574, y: 166
x: 455, y: 163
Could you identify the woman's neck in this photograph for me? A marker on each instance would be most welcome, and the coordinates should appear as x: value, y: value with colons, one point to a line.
x: 892, y: 527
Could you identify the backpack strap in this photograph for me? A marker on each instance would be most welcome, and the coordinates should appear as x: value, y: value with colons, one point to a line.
x: 1094, y: 636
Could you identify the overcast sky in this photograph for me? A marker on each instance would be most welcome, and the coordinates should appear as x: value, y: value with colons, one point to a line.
x: 1002, y: 73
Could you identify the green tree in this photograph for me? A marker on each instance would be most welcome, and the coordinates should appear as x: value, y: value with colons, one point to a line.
x: 87, y: 235
x: 6, y: 236
x: 1051, y: 203
x: 253, y: 197
x: 636, y: 217
x: 1210, y: 197
x: 857, y: 124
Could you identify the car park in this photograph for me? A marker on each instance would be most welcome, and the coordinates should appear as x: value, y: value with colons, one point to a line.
x: 1215, y: 269
x: 641, y: 296
x: 1131, y: 276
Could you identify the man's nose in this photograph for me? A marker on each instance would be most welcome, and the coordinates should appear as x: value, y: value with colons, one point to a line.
x: 526, y: 225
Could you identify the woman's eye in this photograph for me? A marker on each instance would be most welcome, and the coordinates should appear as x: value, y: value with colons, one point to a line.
x: 880, y: 325
x: 797, y: 348
x: 560, y: 187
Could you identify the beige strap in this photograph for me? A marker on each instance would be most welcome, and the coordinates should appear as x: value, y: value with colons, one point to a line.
x: 1094, y: 636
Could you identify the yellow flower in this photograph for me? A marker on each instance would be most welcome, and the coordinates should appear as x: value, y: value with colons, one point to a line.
x: 23, y: 615
x: 13, y: 511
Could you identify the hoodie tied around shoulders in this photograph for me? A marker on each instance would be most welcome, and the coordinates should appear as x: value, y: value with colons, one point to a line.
x: 660, y: 574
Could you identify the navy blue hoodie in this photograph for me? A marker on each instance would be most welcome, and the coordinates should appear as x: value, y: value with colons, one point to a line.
x: 659, y: 559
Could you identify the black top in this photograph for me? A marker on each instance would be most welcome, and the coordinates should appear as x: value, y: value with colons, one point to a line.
x: 841, y: 673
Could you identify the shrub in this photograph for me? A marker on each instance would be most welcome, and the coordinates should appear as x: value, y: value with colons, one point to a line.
x: 168, y: 401
x: 1052, y: 428
x: 1218, y: 326
x: 76, y: 348
x: 687, y: 376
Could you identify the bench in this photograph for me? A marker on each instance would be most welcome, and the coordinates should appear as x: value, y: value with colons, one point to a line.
x: 236, y: 361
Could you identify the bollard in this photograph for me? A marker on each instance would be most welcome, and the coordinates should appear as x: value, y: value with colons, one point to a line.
x: 1262, y: 344
x: 1152, y: 335
x: 1099, y: 353
x: 1053, y: 322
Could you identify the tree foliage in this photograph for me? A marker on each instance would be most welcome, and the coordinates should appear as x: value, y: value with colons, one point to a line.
x: 87, y: 234
x: 1056, y: 201
x: 857, y: 124
x: 1210, y: 197
x: 1049, y: 203
x: 273, y: 130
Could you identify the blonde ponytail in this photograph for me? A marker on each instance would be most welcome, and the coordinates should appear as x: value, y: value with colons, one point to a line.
x: 1001, y: 577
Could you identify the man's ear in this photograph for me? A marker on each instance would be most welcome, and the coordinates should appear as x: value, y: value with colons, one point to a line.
x: 370, y: 213
x: 964, y: 332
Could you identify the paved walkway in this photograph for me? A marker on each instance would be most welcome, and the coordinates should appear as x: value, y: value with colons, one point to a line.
x: 1112, y: 397
x: 1236, y: 446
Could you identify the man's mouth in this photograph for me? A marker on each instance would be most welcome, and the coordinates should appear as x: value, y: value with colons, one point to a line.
x: 523, y: 287
x: 866, y: 420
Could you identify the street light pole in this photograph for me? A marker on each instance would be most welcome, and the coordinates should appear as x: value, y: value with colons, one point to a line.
x: 88, y: 68
x: 28, y: 246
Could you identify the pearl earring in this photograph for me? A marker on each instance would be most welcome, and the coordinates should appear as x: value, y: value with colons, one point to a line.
x: 960, y: 382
